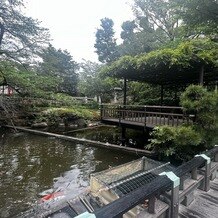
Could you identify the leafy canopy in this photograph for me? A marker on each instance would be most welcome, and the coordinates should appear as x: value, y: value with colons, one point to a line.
x: 27, y: 82
x: 199, y: 16
x: 21, y: 37
x: 92, y: 84
x: 177, y: 65
x: 60, y: 64
x: 105, y: 44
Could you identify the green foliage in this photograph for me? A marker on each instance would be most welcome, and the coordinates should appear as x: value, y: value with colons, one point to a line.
x: 60, y: 64
x: 199, y: 16
x: 203, y: 103
x: 92, y: 84
x: 143, y: 93
x: 21, y: 37
x: 192, y: 98
x: 105, y: 42
x: 160, y: 16
x: 159, y: 23
x: 54, y: 115
x: 156, y: 24
x: 147, y: 94
x: 185, y: 141
x: 182, y: 141
x: 128, y: 31
x: 27, y: 82
x: 188, y: 56
x: 135, y: 42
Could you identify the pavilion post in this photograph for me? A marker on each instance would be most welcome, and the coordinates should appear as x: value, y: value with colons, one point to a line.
x: 175, y: 96
x: 201, y: 76
x: 216, y: 86
x: 124, y: 91
x: 123, y: 139
x: 161, y: 95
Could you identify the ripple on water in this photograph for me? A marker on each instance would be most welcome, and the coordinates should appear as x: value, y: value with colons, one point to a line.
x: 31, y: 164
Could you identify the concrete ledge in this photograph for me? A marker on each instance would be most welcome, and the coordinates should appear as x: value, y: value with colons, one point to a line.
x: 93, y: 143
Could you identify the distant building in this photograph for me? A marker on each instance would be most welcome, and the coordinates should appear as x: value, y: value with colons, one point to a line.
x: 6, y: 90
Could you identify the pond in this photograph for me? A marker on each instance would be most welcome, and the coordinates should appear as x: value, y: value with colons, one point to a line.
x: 30, y: 164
x: 134, y: 138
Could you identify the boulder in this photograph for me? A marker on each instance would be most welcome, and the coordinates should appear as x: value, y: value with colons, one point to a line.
x: 81, y: 123
x: 40, y: 125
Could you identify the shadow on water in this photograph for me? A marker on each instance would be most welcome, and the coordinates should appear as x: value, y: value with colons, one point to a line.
x: 30, y: 164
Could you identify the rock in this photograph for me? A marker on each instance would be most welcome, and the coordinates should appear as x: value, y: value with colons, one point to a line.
x: 40, y: 125
x: 93, y: 124
x: 81, y: 123
x: 61, y: 125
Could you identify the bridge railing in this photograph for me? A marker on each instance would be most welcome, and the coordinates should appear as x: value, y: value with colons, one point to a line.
x: 162, y: 184
x: 151, y: 115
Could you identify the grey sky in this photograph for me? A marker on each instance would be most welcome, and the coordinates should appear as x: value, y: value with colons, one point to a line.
x: 73, y: 23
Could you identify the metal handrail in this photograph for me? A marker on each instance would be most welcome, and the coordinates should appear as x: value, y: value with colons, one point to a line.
x: 148, y: 106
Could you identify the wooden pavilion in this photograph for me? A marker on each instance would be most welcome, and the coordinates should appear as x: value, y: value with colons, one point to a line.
x: 192, y: 62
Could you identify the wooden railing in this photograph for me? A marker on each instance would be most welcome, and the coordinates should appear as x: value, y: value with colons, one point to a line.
x: 148, y: 115
x: 164, y: 185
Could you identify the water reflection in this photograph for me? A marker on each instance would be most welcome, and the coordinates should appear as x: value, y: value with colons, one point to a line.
x: 134, y: 138
x: 30, y: 164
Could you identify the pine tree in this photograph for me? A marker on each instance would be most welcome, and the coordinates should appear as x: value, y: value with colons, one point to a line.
x: 105, y: 45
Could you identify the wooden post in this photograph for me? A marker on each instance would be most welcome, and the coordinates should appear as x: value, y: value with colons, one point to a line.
x: 124, y: 91
x: 101, y: 108
x: 145, y: 115
x: 120, y: 115
x: 123, y: 139
x: 206, y: 184
x: 213, y: 174
x: 216, y: 157
x: 175, y: 97
x: 194, y: 173
x: 181, y: 186
x: 161, y: 95
x: 151, y: 204
x: 143, y: 163
x: 216, y: 86
x: 201, y: 76
x: 207, y: 177
x: 174, y: 204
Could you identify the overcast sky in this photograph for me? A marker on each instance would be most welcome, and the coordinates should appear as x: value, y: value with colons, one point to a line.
x: 73, y: 23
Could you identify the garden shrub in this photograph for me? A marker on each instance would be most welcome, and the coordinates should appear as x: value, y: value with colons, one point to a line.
x: 186, y: 140
x: 181, y: 141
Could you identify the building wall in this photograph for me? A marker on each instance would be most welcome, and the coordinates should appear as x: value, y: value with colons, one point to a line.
x: 6, y: 90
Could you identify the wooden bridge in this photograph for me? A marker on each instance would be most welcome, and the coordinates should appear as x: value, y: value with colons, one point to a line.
x: 133, y: 116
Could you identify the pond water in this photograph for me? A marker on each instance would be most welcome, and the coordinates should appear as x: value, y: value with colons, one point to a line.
x: 30, y: 164
x: 134, y: 138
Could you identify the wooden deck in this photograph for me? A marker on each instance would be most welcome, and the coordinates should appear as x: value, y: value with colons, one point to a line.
x: 144, y: 116
x: 194, y: 195
x: 205, y: 204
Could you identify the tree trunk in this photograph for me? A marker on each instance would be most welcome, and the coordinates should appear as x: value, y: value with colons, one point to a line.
x: 2, y: 30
